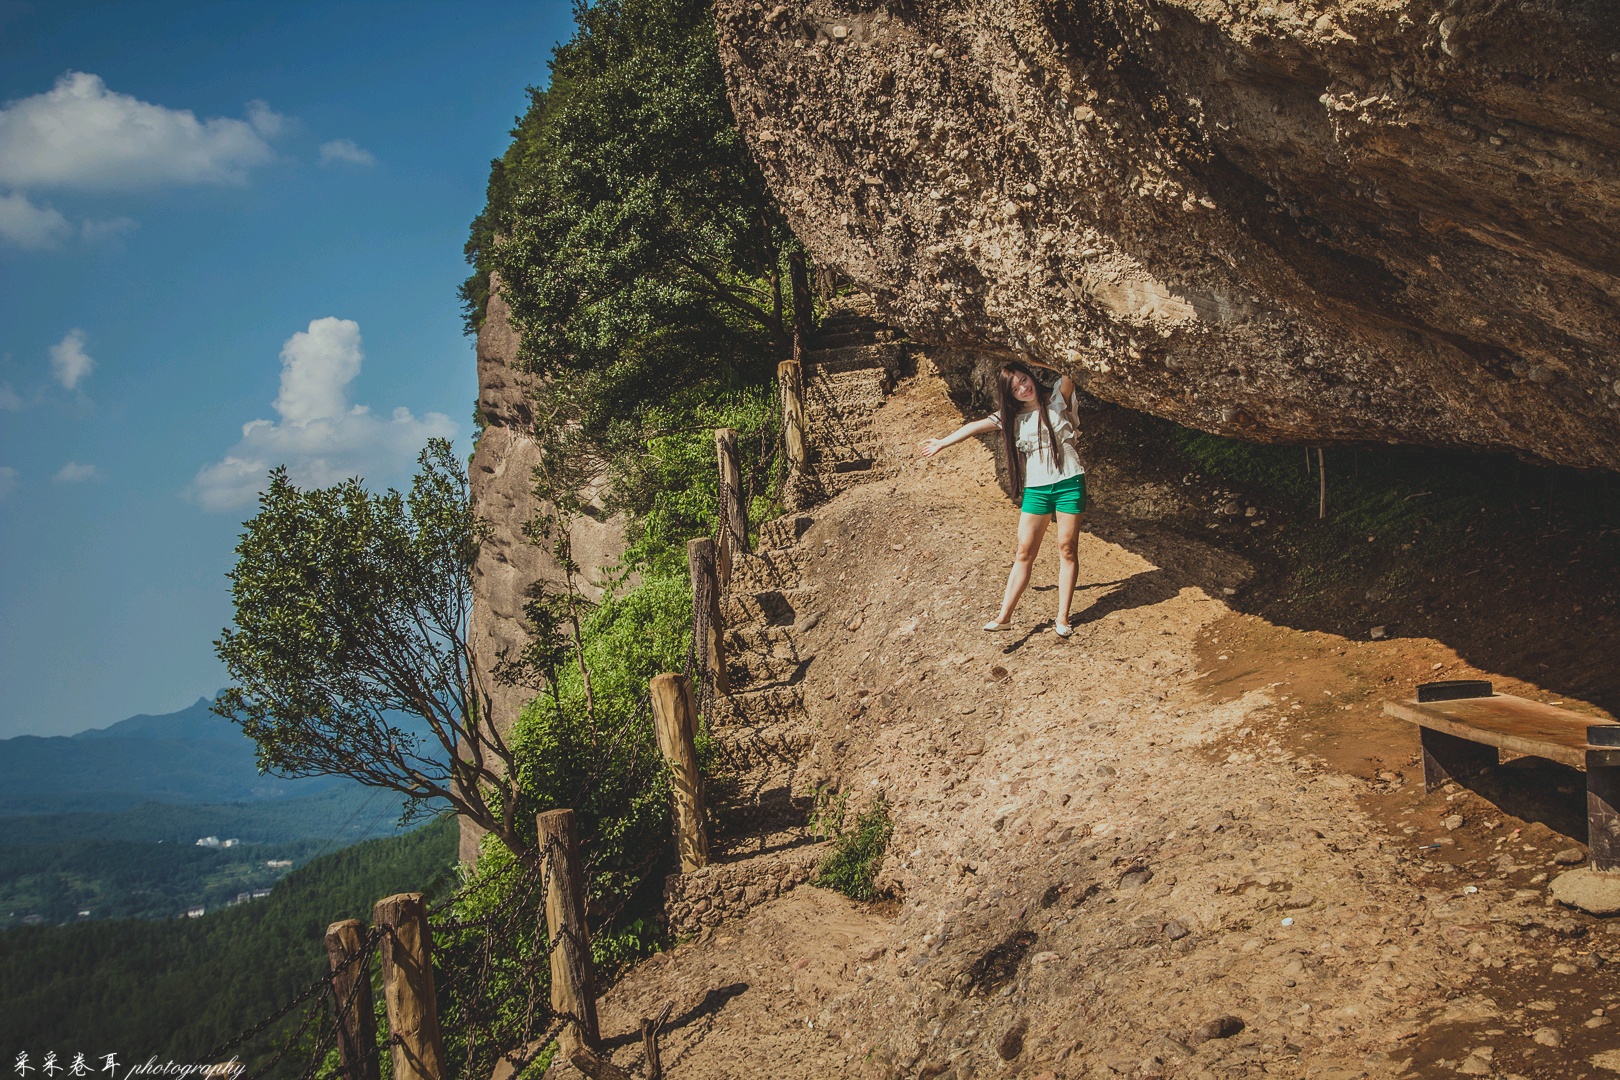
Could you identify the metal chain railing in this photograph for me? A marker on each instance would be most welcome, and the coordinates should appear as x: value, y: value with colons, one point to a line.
x: 317, y: 1018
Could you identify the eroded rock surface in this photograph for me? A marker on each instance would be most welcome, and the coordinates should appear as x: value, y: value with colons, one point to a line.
x: 502, y: 479
x: 1320, y: 222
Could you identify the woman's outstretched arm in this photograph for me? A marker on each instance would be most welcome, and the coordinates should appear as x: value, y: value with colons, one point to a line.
x: 930, y: 447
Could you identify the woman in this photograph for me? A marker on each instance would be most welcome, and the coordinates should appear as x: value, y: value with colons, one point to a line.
x: 1038, y: 433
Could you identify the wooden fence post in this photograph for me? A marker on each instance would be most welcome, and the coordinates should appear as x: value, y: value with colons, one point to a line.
x: 351, y: 994
x: 675, y: 719
x: 733, y: 514
x: 573, y: 976
x: 407, y: 970
x: 707, y: 629
x: 790, y: 377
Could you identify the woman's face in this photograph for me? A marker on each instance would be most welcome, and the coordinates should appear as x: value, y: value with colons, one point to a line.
x: 1023, y: 387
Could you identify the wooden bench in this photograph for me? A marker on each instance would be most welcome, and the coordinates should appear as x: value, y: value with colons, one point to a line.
x: 1464, y: 726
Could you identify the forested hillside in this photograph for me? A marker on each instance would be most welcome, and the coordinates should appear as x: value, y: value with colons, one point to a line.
x: 177, y: 988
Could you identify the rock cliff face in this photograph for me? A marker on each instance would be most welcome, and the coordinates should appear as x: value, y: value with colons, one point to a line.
x: 502, y: 480
x: 1328, y: 222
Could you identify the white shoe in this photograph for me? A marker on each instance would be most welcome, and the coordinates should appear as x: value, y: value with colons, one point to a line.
x: 993, y: 625
x: 1062, y: 629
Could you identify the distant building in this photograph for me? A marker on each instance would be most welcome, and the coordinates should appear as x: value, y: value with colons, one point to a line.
x: 84, y: 914
x: 216, y: 842
x: 279, y: 864
x: 195, y: 913
x: 33, y: 920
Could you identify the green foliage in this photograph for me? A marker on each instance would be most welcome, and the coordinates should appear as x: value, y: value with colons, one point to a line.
x: 852, y: 866
x: 627, y: 206
x: 351, y: 611
x: 597, y: 755
x: 177, y: 988
x: 828, y: 812
x: 120, y: 880
x: 348, y: 812
x: 638, y: 248
x: 669, y: 489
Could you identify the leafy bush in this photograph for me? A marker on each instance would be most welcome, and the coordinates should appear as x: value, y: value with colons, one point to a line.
x: 669, y: 487
x: 851, y: 868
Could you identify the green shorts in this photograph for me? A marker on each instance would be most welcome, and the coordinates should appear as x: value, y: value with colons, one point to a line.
x: 1065, y: 496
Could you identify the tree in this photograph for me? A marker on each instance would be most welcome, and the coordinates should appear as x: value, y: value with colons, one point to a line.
x: 350, y: 653
x: 637, y: 244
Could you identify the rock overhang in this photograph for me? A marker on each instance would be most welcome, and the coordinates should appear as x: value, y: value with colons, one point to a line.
x: 1326, y: 223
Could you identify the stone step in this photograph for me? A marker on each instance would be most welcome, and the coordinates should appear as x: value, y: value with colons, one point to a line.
x: 778, y: 570
x: 725, y: 890
x: 783, y: 531
x: 889, y: 358
x: 851, y: 333
x: 754, y: 705
x: 768, y: 608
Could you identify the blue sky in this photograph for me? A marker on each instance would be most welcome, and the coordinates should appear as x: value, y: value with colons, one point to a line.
x: 211, y: 215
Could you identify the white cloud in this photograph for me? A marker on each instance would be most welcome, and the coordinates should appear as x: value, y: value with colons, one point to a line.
x: 69, y: 362
x: 81, y: 135
x: 106, y: 229
x: 29, y: 226
x: 8, y: 480
x: 346, y: 150
x: 74, y: 473
x: 10, y: 400
x: 320, y: 437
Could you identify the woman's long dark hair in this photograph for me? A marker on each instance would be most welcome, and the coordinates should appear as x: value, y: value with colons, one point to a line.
x: 1010, y: 408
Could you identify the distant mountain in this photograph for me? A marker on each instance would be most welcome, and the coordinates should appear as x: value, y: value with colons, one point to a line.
x: 190, y: 756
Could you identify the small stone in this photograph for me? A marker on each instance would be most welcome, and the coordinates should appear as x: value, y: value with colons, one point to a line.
x: 1590, y: 961
x: 1175, y: 930
x: 839, y: 33
x: 1012, y: 1043
x: 1598, y: 1021
x: 1606, y: 1059
x: 1452, y: 822
x: 1106, y: 770
x: 1548, y: 1037
x: 1378, y: 633
x: 1573, y: 856
x: 1228, y: 591
x: 1222, y: 1027
x: 1564, y: 969
x: 1135, y: 879
x: 1474, y: 1065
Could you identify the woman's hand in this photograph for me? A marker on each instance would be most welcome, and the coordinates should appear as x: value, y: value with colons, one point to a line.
x: 930, y: 447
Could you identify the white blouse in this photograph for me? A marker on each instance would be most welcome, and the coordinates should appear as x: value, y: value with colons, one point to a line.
x: 1036, y: 446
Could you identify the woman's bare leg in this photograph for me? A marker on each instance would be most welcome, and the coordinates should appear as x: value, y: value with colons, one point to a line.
x: 1031, y: 528
x: 1068, y: 538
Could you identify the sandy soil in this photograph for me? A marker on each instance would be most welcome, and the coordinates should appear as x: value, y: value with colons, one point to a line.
x: 1106, y: 845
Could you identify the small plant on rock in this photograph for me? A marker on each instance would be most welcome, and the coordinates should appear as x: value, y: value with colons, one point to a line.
x: 852, y: 866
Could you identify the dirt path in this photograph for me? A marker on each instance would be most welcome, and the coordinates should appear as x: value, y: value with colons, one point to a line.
x: 1105, y: 844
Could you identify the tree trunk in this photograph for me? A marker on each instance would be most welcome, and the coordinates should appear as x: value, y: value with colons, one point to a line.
x: 803, y: 309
